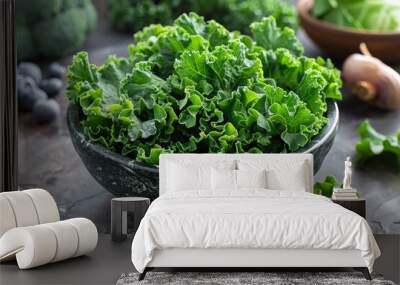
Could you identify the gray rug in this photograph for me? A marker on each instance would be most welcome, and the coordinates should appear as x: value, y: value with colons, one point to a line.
x: 243, y: 278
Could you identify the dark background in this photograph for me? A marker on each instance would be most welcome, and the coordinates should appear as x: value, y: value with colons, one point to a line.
x: 8, y: 104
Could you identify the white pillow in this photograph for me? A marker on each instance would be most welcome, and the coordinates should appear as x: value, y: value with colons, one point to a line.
x: 184, y: 177
x: 231, y: 180
x: 282, y: 174
x: 223, y: 179
x: 293, y: 180
x: 251, y: 178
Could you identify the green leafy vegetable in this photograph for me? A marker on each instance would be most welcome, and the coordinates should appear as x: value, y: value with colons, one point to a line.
x: 373, y: 15
x: 196, y: 87
x: 373, y: 145
x: 133, y: 15
x: 269, y: 36
x: 325, y: 187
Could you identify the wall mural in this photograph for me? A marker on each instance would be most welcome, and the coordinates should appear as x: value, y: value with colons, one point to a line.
x: 54, y: 156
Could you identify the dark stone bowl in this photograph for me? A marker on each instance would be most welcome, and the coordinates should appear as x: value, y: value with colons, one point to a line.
x: 125, y: 177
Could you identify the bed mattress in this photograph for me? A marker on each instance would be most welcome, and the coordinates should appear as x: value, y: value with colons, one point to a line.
x: 250, y: 219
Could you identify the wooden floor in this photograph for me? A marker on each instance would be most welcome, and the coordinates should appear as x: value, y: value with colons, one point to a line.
x: 106, y: 264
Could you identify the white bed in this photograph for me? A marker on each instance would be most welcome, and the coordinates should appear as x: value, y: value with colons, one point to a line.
x: 248, y: 227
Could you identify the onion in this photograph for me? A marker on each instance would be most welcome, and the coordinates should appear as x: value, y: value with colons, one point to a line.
x: 371, y: 80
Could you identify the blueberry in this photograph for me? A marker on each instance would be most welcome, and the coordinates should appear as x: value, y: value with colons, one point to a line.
x: 45, y: 111
x: 28, y: 93
x: 56, y: 70
x: 51, y: 86
x: 40, y: 94
x: 25, y: 84
x: 29, y: 69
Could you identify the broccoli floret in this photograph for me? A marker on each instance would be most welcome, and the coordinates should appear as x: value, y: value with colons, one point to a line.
x: 62, y: 34
x: 38, y: 10
x: 91, y: 15
x: 70, y: 4
x: 56, y: 32
x: 25, y: 46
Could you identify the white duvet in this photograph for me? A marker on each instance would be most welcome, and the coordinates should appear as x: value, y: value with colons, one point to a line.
x: 250, y: 219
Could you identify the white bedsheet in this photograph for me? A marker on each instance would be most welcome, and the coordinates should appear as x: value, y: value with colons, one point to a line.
x: 250, y: 219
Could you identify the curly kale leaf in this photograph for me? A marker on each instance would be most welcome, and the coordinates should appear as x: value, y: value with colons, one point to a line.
x: 241, y: 13
x: 133, y: 15
x: 268, y: 35
x: 325, y: 187
x: 128, y: 15
x: 373, y: 145
x: 314, y: 80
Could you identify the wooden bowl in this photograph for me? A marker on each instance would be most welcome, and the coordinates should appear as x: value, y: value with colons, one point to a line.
x: 339, y: 42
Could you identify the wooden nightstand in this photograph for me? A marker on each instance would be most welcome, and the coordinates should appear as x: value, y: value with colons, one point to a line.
x: 357, y: 206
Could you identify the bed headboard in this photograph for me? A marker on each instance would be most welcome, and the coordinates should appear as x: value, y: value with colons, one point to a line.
x: 212, y: 159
